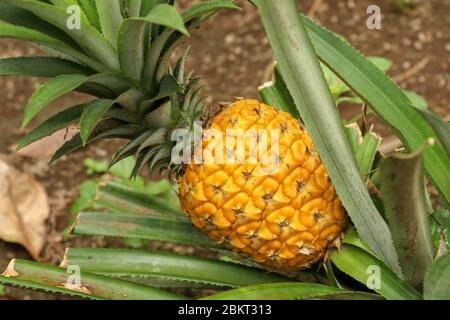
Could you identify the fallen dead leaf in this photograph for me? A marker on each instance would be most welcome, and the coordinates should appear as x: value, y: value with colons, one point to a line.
x: 23, y: 209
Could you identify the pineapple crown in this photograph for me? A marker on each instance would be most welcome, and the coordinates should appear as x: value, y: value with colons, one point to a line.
x: 120, y: 52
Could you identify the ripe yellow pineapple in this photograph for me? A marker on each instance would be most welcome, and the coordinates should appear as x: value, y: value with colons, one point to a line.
x: 284, y: 220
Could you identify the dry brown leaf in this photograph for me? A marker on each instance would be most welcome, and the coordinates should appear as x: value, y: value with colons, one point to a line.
x: 23, y: 209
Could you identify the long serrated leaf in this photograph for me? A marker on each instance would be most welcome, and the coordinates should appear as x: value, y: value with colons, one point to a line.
x: 86, y: 36
x: 38, y: 286
x: 402, y: 187
x: 207, y: 7
x: 366, y: 153
x: 134, y: 7
x: 441, y: 128
x: 46, y: 67
x: 131, y: 48
x: 166, y: 265
x: 276, y: 94
x: 384, y: 97
x: 110, y: 18
x: 57, y: 122
x: 277, y: 291
x: 88, y: 284
x: 305, y: 81
x: 117, y: 196
x: 165, y: 15
x: 24, y: 18
x: 437, y: 280
x: 11, y: 31
x: 372, y: 272
x: 92, y: 114
x: 90, y: 10
x: 108, y: 129
x: 50, y: 91
x: 142, y: 227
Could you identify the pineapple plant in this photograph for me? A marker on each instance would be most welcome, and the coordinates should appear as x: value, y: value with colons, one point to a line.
x: 281, y: 220
x: 284, y: 220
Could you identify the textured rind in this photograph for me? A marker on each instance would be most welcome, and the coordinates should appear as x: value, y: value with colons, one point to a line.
x: 284, y: 220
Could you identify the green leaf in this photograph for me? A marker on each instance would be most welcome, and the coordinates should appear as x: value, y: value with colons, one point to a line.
x: 370, y: 271
x: 276, y: 94
x: 403, y: 197
x: 207, y: 7
x: 354, y: 136
x: 440, y: 229
x: 381, y: 63
x: 87, y: 36
x: 147, y: 6
x: 92, y: 114
x: 165, y: 15
x: 365, y: 156
x: 417, y: 101
x: 276, y: 291
x: 45, y: 67
x: 304, y: 79
x: 90, y: 10
x: 59, y: 280
x: 110, y: 17
x: 437, y: 280
x: 441, y: 128
x: 384, y: 97
x: 136, y: 263
x: 16, y: 32
x: 50, y: 91
x: 117, y: 196
x: 134, y: 7
x: 57, y: 122
x: 108, y: 129
x: 88, y: 193
x: 142, y: 227
x: 24, y: 18
x: 131, y: 48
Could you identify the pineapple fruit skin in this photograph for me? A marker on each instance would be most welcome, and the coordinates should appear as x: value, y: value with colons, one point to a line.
x: 284, y: 220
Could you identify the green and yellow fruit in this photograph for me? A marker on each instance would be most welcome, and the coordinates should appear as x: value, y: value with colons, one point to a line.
x: 284, y: 220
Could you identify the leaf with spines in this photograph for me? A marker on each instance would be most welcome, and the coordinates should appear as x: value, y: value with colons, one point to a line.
x: 57, y: 122
x: 92, y: 114
x: 110, y: 17
x: 93, y: 286
x: 356, y: 262
x: 11, y: 31
x: 277, y: 291
x: 384, y: 97
x: 166, y: 265
x: 50, y: 91
x: 87, y: 36
x: 437, y: 280
x: 45, y: 67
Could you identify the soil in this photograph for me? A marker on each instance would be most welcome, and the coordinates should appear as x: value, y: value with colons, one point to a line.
x: 232, y: 54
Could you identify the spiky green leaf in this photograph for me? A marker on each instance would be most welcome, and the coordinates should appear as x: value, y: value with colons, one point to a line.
x: 50, y: 91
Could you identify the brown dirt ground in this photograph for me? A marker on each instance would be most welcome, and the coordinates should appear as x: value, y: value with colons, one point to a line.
x: 232, y: 53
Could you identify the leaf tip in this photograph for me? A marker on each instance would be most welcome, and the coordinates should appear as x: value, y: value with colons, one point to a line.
x: 11, y: 269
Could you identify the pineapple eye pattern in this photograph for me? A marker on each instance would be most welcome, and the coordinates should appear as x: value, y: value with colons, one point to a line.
x: 284, y: 220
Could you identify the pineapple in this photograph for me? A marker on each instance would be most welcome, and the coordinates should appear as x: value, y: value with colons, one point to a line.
x: 283, y: 220
x: 121, y: 55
